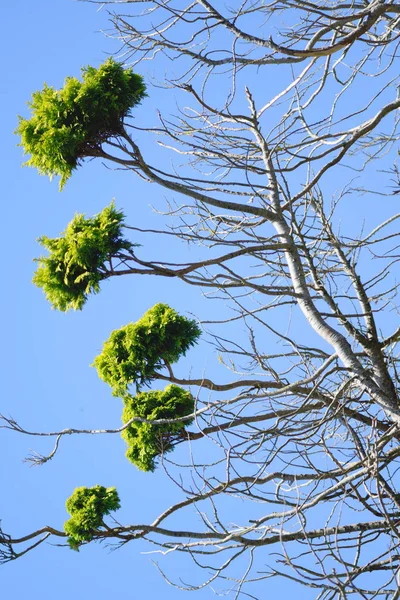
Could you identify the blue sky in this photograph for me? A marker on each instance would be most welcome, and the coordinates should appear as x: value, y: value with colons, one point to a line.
x: 46, y: 356
x: 47, y: 380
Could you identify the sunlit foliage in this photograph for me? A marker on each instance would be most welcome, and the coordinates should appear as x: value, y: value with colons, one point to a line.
x: 145, y: 441
x: 77, y: 261
x: 88, y: 507
x: 71, y: 123
x: 133, y: 353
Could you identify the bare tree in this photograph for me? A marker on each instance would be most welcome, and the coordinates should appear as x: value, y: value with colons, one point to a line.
x: 306, y: 430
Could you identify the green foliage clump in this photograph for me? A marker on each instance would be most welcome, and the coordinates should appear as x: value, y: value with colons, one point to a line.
x: 76, y: 264
x: 145, y: 441
x: 133, y: 353
x: 71, y: 123
x: 87, y: 507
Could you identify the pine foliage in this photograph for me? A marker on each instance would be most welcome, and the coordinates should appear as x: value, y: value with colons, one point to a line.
x: 133, y: 353
x: 88, y: 507
x: 145, y: 441
x: 76, y: 264
x: 69, y: 124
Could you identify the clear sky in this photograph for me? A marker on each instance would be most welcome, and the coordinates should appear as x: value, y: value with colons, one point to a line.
x: 45, y: 356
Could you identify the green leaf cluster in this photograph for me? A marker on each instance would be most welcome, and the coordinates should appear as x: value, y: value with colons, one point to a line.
x: 145, y: 441
x: 68, y: 124
x: 76, y: 263
x: 133, y: 353
x: 87, y: 507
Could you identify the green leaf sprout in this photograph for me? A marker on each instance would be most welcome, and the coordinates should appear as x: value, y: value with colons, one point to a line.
x: 70, y: 124
x: 133, y: 353
x: 146, y: 441
x: 76, y: 264
x: 88, y: 507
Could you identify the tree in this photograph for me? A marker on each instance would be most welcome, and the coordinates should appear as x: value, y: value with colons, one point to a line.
x: 306, y: 425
